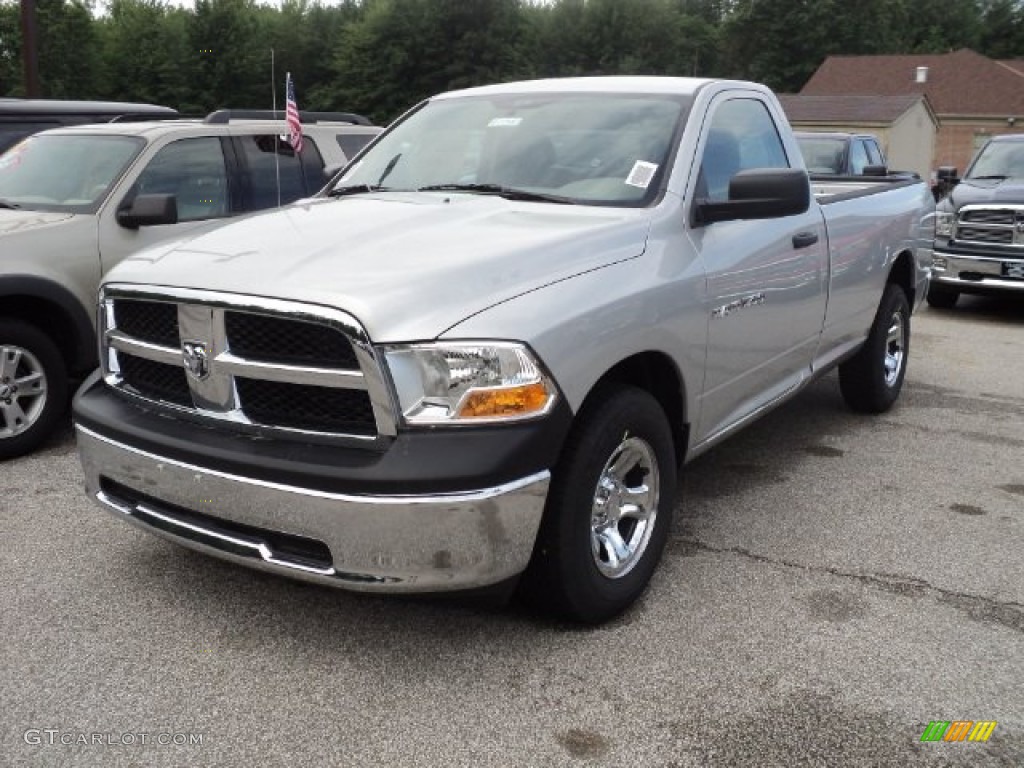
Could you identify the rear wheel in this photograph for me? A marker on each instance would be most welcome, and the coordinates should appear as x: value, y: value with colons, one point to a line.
x: 33, y: 387
x: 871, y: 380
x: 609, y: 509
x: 941, y: 297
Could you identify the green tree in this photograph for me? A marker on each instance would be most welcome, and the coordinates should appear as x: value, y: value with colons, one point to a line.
x: 782, y: 42
x: 1002, y: 29
x: 69, y: 53
x: 146, y: 52
x: 230, y: 64
x: 10, y: 51
x: 401, y: 51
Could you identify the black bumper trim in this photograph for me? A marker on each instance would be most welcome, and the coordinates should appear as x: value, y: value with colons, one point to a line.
x: 443, y: 460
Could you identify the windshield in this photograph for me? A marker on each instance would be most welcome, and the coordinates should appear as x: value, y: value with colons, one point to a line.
x: 999, y: 159
x: 595, y: 148
x: 822, y: 155
x: 63, y: 172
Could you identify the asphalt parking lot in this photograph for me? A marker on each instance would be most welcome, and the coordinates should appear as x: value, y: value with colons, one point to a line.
x: 834, y: 583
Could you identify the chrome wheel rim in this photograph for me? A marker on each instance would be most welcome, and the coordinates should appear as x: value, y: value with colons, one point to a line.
x: 895, y: 349
x: 625, y: 507
x: 22, y: 390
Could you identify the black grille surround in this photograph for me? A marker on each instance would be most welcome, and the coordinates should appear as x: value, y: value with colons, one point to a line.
x: 250, y: 364
x: 290, y: 342
x: 153, y: 321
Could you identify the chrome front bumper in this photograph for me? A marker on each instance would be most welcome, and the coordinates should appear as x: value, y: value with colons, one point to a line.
x: 984, y: 272
x: 394, y: 543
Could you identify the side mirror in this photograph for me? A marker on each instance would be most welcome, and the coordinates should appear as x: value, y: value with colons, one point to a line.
x: 149, y: 210
x: 876, y: 170
x: 947, y: 175
x: 761, y: 193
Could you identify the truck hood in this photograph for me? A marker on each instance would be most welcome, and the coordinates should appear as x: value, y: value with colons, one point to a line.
x: 17, y: 221
x: 408, y: 266
x: 973, y: 192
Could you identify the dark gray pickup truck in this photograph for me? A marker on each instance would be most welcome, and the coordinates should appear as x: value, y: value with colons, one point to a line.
x: 979, y: 226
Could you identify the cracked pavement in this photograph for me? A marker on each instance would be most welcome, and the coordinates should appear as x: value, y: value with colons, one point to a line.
x: 833, y: 583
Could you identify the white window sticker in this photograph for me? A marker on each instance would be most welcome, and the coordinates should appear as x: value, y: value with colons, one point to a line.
x: 642, y: 174
x: 505, y: 122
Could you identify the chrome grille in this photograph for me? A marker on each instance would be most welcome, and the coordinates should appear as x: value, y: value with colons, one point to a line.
x: 254, y: 364
x: 987, y: 225
x: 983, y: 235
x: 988, y: 216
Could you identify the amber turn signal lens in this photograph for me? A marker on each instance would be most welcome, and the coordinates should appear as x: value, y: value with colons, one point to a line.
x: 505, y: 401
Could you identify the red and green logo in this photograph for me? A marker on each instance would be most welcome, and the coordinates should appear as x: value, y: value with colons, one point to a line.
x: 958, y: 730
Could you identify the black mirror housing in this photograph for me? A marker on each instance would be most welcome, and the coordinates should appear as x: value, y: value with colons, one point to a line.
x: 760, y: 193
x: 149, y: 210
x: 946, y: 175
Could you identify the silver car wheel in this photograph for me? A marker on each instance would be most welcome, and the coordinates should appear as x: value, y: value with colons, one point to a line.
x: 895, y: 349
x: 22, y: 390
x: 624, y: 508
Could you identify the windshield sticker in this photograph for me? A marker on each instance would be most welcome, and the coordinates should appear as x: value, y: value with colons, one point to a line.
x: 505, y: 122
x: 642, y: 174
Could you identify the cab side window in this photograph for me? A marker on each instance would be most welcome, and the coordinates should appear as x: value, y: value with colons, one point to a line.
x: 874, y: 153
x: 192, y: 170
x: 858, y: 157
x: 742, y: 136
x: 269, y: 157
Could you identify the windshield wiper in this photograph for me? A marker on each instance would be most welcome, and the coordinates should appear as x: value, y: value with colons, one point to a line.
x: 509, y: 193
x: 8, y: 204
x: 356, y: 189
x: 992, y: 177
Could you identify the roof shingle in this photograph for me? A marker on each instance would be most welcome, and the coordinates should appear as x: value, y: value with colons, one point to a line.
x: 958, y: 83
x: 809, y: 108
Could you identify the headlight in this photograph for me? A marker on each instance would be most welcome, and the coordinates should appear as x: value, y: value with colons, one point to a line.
x: 944, y: 224
x: 466, y: 382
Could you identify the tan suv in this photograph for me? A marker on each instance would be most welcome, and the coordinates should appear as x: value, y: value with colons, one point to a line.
x: 75, y: 201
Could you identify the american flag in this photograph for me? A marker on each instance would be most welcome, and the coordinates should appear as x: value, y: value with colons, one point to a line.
x: 292, y: 115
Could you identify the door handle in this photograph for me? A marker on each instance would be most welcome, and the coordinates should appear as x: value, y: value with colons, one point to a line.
x: 804, y: 239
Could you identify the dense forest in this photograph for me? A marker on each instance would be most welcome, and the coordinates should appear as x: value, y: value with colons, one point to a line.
x: 381, y: 56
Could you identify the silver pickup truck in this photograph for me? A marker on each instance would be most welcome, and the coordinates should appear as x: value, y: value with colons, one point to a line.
x: 486, y: 349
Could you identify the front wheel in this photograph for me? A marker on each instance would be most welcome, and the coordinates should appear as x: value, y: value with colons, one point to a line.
x: 872, y: 379
x: 33, y: 387
x: 609, y: 509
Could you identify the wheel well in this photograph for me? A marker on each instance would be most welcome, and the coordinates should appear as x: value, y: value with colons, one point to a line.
x: 50, y: 318
x: 657, y: 374
x: 902, y: 273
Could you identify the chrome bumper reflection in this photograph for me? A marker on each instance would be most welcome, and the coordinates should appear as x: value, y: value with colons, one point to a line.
x: 982, y: 271
x: 369, y: 543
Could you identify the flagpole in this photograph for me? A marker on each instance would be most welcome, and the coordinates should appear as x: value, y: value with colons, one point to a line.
x: 277, y: 156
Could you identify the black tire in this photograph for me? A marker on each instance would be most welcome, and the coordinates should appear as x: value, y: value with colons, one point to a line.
x: 40, y: 403
x: 871, y: 380
x: 941, y: 297
x: 564, y: 576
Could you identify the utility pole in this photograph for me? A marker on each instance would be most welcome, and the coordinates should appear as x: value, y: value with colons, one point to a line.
x: 29, y: 51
